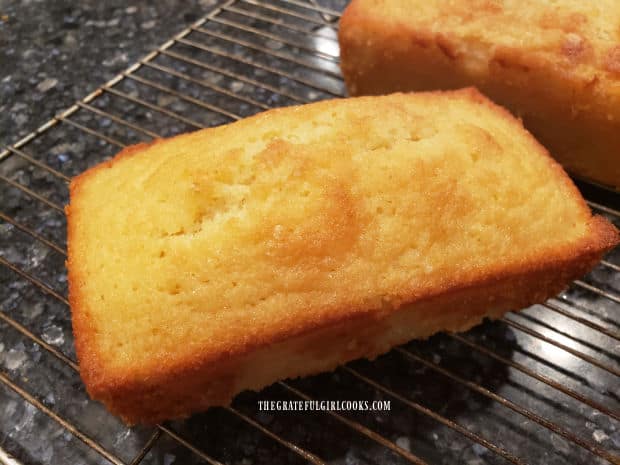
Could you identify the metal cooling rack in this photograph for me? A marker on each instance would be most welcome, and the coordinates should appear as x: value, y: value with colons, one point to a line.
x: 540, y: 386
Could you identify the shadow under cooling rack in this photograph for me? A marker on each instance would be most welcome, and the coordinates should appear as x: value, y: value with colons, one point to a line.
x: 538, y: 386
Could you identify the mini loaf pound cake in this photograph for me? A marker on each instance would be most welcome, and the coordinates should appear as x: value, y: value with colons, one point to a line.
x: 554, y: 64
x: 296, y: 240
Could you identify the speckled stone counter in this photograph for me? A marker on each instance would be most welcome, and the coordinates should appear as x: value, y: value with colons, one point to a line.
x: 53, y: 53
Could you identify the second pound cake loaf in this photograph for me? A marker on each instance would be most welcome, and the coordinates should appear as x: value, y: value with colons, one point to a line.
x: 554, y: 64
x: 301, y: 238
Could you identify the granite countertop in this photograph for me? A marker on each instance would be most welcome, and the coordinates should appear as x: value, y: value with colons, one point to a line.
x: 53, y: 52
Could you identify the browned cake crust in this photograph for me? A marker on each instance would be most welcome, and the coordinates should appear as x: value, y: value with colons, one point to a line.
x: 556, y: 65
x: 182, y: 384
x: 179, y: 389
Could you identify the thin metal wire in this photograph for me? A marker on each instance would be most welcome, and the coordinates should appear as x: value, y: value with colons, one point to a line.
x: 323, y: 15
x: 277, y: 38
x: 360, y: 428
x: 29, y: 334
x: 158, y: 108
x: 30, y: 232
x: 238, y: 77
x: 564, y: 347
x: 310, y: 457
x: 64, y: 423
x: 181, y: 96
x: 556, y: 329
x: 596, y: 290
x: 8, y: 459
x: 255, y: 64
x: 270, y: 20
x: 283, y: 56
x: 557, y: 429
x: 83, y: 128
x: 41, y: 285
x: 542, y: 378
x: 601, y: 329
x: 604, y: 208
x: 154, y: 107
x: 189, y: 446
x: 147, y: 447
x: 579, y: 306
x: 608, y: 264
x: 206, y: 85
x: 28, y: 137
x: 435, y: 416
x: 318, y: 8
x: 30, y: 159
x: 116, y: 119
x: 31, y: 193
x: 295, y: 14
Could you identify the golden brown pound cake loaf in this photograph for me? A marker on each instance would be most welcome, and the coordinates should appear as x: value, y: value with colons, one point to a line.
x: 296, y: 240
x: 554, y: 64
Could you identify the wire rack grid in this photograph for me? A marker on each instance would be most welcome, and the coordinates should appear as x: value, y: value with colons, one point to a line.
x: 540, y: 386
